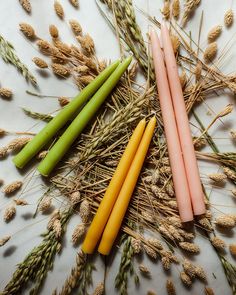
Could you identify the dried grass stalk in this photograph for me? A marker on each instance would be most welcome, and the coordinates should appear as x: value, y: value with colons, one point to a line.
x: 99, y: 290
x: 144, y: 270
x: 218, y: 243
x: 12, y: 187
x: 63, y: 101
x: 5, y: 93
x: 217, y: 177
x: 59, y: 9
x: 209, y: 291
x: 229, y: 18
x: 27, y: 30
x: 39, y: 62
x: 190, y: 247
x: 86, y: 43
x: 175, y: 43
x: 53, y: 30
x: 210, y: 52
x: 84, y: 211
x: 18, y: 143
x: 20, y: 202
x: 26, y: 5
x: 75, y: 26
x: 60, y: 70
x: 75, y: 3
x: 3, y: 152
x: 189, y: 7
x: 78, y: 232
x: 166, y: 9
x: 4, y: 240
x: 170, y: 287
x: 232, y: 249
x: 9, y: 212
x: 45, y: 204
x: 225, y: 221
x: 176, y: 8
x: 214, y: 33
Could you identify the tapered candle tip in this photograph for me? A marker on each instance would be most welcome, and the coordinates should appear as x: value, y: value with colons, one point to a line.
x: 153, y: 120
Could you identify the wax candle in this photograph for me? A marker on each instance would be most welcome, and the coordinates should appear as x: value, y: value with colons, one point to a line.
x: 47, y: 133
x: 79, y: 123
x: 184, y: 131
x: 173, y: 143
x: 100, y: 219
x: 118, y: 212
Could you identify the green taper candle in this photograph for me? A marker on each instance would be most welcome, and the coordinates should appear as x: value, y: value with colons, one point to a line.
x: 47, y: 133
x: 80, y: 122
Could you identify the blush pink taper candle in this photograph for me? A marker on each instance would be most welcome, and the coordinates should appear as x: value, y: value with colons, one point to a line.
x: 172, y: 138
x: 183, y: 127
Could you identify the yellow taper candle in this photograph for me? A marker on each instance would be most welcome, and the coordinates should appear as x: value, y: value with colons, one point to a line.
x: 100, y: 219
x: 118, y: 212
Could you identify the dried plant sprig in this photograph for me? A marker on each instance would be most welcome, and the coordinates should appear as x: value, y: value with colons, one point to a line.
x: 20, y: 202
x: 210, y: 52
x: 57, y: 228
x: 60, y: 70
x: 189, y: 7
x: 217, y: 177
x: 12, y: 187
x: 99, y: 290
x: 45, y: 204
x: 3, y: 152
x: 27, y: 30
x: 166, y: 9
x: 126, y: 267
x: 39, y: 62
x: 176, y: 8
x: 229, y: 18
x: 53, y: 30
x: 75, y: 26
x: 214, y: 33
x: 37, y: 263
x: 209, y: 291
x: 78, y: 232
x: 84, y: 211
x: 3, y: 132
x: 4, y: 240
x: 230, y: 173
x: 170, y: 287
x: 80, y: 278
x: 59, y: 9
x: 18, y: 143
x: 75, y: 197
x: 75, y: 3
x: 218, y: 243
x: 63, y: 101
x: 144, y: 270
x: 86, y: 43
x: 9, y: 213
x: 6, y: 93
x: 190, y: 247
x: 225, y: 221
x: 8, y: 54
x: 232, y: 249
x: 36, y: 115
x: 136, y: 244
x: 126, y: 21
x: 26, y: 5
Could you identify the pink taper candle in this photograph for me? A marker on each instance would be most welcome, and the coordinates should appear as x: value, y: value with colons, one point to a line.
x: 173, y: 143
x: 183, y: 127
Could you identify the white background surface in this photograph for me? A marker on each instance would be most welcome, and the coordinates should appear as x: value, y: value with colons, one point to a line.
x: 25, y: 230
